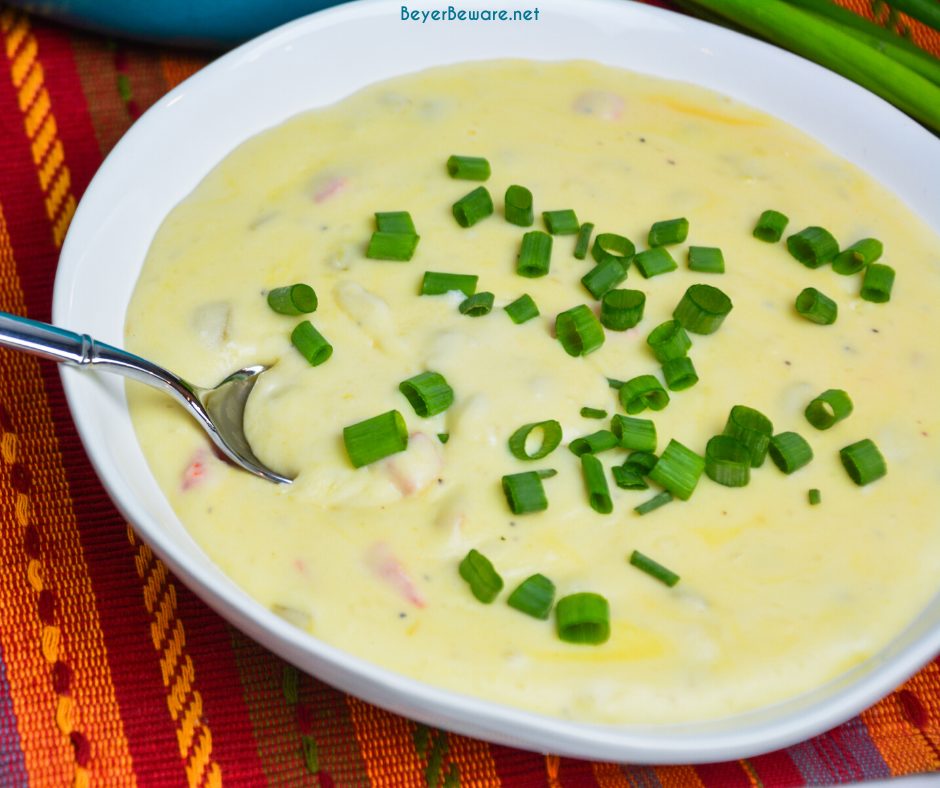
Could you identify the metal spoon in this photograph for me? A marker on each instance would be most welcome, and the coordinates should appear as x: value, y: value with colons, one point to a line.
x: 220, y: 410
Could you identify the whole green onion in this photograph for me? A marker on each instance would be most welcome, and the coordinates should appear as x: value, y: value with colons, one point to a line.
x: 534, y: 596
x: 483, y: 579
x: 551, y: 438
x: 429, y: 393
x: 518, y: 206
x: 583, y: 618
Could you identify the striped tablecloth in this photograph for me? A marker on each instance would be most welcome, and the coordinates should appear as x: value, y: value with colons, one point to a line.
x: 111, y: 671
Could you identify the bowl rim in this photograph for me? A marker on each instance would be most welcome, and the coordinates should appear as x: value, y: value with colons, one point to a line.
x: 92, y: 402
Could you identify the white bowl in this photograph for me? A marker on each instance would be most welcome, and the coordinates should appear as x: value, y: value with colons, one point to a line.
x: 324, y: 57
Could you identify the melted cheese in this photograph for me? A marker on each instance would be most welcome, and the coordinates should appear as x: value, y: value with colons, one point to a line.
x: 776, y: 597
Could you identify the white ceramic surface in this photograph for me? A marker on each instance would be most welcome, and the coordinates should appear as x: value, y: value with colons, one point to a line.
x: 324, y: 57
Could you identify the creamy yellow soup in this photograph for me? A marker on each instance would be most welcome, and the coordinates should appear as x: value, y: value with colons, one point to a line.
x: 776, y: 597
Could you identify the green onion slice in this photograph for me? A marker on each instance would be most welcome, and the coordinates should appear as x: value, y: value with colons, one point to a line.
x: 642, y: 461
x: 854, y: 258
x: 579, y: 331
x: 615, y: 384
x: 669, y: 340
x: 468, y: 168
x: 654, y: 262
x: 815, y: 497
x: 877, y: 283
x: 751, y: 428
x: 646, y: 564
x: 561, y: 222
x: 437, y: 283
x: 610, y: 246
x: 522, y: 309
x: 534, y: 596
x: 395, y: 222
x: 593, y: 413
x: 392, y: 246
x: 727, y: 461
x: 817, y: 307
x: 863, y: 462
x: 584, y: 240
x: 293, y: 299
x: 668, y: 231
x: 679, y: 374
x: 375, y: 438
x: 477, y: 305
x: 603, y: 277
x: 770, y: 226
x: 627, y: 477
x: 678, y: 470
x: 634, y: 434
x: 702, y: 309
x: 551, y: 438
x: 654, y: 503
x: 642, y: 392
x: 429, y: 393
x: 595, y: 482
x: 524, y: 492
x: 602, y: 440
x: 813, y: 246
x: 535, y: 254
x: 829, y: 408
x: 706, y: 259
x: 473, y: 207
x: 789, y: 451
x: 311, y: 344
x: 443, y: 437
x: 622, y: 309
x: 583, y: 618
x: 518, y: 206
x: 483, y: 579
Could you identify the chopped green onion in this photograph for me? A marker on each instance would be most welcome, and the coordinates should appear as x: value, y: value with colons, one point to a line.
x: 436, y: 283
x: 727, y: 461
x: 395, y: 222
x: 443, y: 437
x: 636, y: 434
x: 375, y: 438
x: 854, y: 258
x: 483, y: 579
x: 706, y: 259
x: 830, y: 407
x: 579, y: 331
x: 654, y: 262
x: 668, y: 231
x: 392, y: 246
x: 863, y: 462
x: 551, y: 438
x: 561, y: 222
x: 518, y: 206
x: 654, y: 503
x: 678, y: 470
x: 877, y: 283
x: 669, y: 340
x: 428, y: 393
x: 642, y: 461
x: 595, y: 482
x: 311, y: 343
x: 813, y: 246
x: 534, y: 596
x: 599, y: 441
x: 584, y: 240
x: 753, y: 429
x: 535, y: 254
x: 468, y: 168
x: 293, y: 299
x: 522, y: 309
x: 627, y: 477
x: 622, y: 309
x: 817, y: 307
x: 814, y: 496
x: 473, y: 207
x: 603, y: 277
x: 524, y: 492
x: 610, y: 246
x: 770, y: 226
x: 547, y: 473
x: 593, y: 413
x: 583, y: 618
x: 789, y: 451
x: 679, y: 374
x: 646, y: 564
x: 615, y: 384
x: 702, y: 309
x: 642, y: 392
x: 477, y: 305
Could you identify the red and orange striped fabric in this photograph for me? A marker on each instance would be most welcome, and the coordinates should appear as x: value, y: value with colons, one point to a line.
x: 111, y: 672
